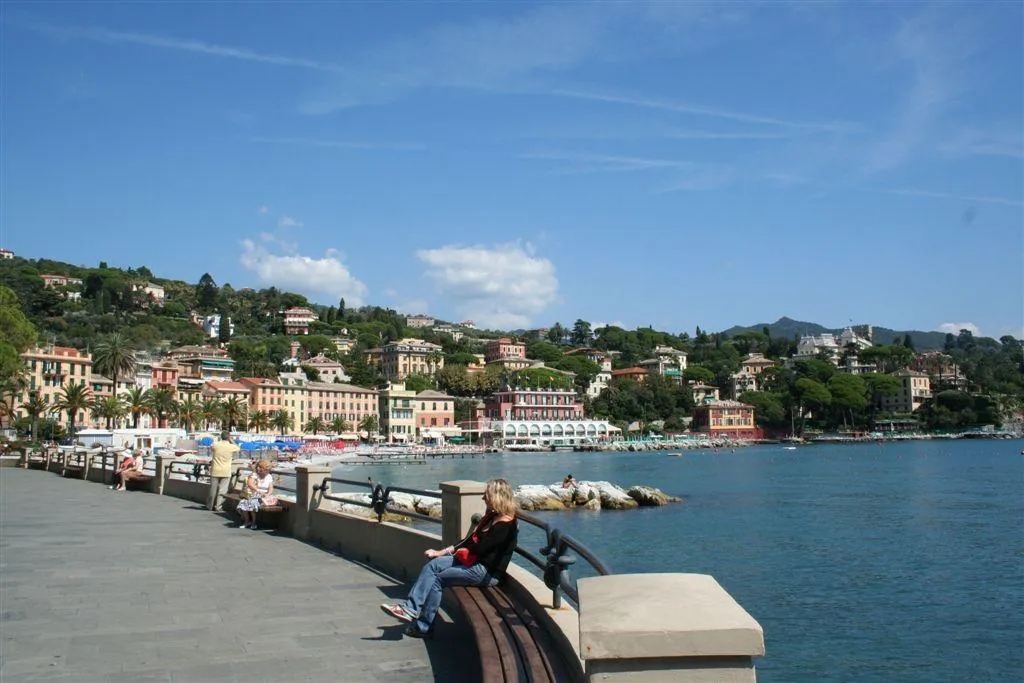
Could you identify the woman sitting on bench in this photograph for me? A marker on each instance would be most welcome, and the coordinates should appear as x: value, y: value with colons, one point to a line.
x: 479, y: 559
x: 131, y: 468
x: 258, y: 492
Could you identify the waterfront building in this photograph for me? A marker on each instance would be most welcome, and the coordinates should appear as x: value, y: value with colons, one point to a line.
x: 729, y: 419
x: 399, y: 359
x: 419, y: 321
x: 915, y: 389
x: 330, y: 400
x: 50, y: 368
x: 603, y: 361
x: 516, y: 403
x: 298, y: 319
x: 398, y: 413
x: 434, y: 414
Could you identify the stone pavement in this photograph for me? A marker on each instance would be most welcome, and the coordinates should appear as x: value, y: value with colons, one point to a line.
x: 101, y: 586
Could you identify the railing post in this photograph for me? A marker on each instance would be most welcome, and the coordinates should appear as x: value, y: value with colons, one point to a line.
x: 460, y: 500
x: 683, y: 628
x: 306, y: 499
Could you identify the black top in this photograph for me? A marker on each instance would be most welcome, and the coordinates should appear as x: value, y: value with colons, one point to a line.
x: 492, y: 544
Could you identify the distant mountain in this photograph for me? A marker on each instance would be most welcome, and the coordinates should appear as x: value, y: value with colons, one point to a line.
x: 787, y: 327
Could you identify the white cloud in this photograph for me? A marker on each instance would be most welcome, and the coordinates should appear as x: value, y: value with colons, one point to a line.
x: 955, y: 328
x: 499, y: 287
x: 325, y: 276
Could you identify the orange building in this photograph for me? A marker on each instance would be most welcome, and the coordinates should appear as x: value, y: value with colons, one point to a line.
x: 730, y: 419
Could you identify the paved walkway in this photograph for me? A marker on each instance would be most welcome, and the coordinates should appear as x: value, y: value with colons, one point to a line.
x: 102, y: 586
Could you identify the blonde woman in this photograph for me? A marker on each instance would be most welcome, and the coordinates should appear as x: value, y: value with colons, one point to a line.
x: 479, y: 559
x: 259, y: 490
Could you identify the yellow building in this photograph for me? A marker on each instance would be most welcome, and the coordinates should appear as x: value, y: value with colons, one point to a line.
x: 398, y: 413
x: 49, y: 369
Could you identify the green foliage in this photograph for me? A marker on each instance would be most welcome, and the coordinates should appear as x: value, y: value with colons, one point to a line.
x: 419, y: 383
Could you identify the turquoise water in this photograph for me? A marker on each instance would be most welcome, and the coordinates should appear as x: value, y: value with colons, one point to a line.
x: 895, y: 562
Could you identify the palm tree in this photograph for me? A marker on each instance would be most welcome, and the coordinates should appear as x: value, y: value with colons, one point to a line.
x: 114, y: 357
x: 233, y: 411
x: 34, y: 407
x: 189, y: 412
x: 135, y: 401
x: 340, y: 425
x: 161, y: 404
x: 259, y: 421
x: 315, y: 424
x: 110, y: 408
x: 281, y: 420
x: 72, y: 400
x: 370, y: 424
x: 210, y: 409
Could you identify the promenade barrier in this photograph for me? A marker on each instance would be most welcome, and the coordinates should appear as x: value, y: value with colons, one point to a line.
x: 652, y: 628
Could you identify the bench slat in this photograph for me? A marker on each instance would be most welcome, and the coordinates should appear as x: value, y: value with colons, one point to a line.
x: 499, y: 656
x: 531, y: 639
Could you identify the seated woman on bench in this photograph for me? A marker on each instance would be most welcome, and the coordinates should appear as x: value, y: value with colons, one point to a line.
x: 131, y: 468
x: 477, y: 560
x: 258, y: 492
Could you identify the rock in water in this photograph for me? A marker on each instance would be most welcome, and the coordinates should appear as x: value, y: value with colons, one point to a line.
x: 648, y: 496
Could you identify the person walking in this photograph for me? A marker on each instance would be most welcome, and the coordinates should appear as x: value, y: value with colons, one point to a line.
x: 224, y: 452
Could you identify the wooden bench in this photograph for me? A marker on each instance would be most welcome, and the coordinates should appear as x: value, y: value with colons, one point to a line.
x: 264, y: 514
x: 513, y: 645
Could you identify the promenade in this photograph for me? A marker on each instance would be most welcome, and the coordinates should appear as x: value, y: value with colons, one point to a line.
x: 107, y: 587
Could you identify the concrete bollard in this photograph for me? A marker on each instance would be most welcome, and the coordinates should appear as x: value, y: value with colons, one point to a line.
x: 656, y: 628
x: 460, y: 500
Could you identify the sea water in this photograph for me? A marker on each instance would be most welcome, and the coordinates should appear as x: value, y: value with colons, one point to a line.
x: 862, y: 562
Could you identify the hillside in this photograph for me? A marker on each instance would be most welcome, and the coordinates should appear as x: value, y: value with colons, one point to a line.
x: 789, y: 328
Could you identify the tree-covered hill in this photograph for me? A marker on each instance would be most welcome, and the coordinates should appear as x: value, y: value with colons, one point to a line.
x: 789, y: 329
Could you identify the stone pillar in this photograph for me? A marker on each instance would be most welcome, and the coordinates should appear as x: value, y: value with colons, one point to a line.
x: 306, y: 499
x: 657, y: 628
x: 460, y: 500
x: 160, y: 472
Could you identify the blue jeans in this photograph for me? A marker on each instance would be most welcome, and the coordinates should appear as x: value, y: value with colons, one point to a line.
x: 425, y: 596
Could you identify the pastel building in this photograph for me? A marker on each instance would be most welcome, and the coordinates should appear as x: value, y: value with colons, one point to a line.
x: 729, y: 419
x: 434, y: 414
x: 398, y: 413
x: 50, y: 368
x: 399, y: 359
x: 297, y: 320
x: 506, y: 353
x: 915, y: 390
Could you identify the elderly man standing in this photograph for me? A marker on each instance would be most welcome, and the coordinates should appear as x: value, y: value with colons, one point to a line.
x: 220, y: 468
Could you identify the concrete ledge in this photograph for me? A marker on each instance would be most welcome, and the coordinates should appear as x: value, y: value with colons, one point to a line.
x: 665, y: 627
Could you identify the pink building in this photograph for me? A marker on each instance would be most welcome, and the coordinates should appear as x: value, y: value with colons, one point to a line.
x: 297, y: 320
x: 534, y: 404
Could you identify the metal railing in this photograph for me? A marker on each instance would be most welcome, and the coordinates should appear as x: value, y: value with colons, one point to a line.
x: 553, y: 561
x: 380, y: 497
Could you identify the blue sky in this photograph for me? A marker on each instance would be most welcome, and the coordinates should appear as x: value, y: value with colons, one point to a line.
x: 665, y: 164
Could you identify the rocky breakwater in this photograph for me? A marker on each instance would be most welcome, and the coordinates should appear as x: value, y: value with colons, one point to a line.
x: 590, y: 495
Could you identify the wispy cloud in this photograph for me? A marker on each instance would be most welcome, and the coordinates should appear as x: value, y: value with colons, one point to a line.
x: 701, y: 110
x: 103, y: 35
x: 502, y: 286
x: 342, y: 144
x: 944, y: 195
